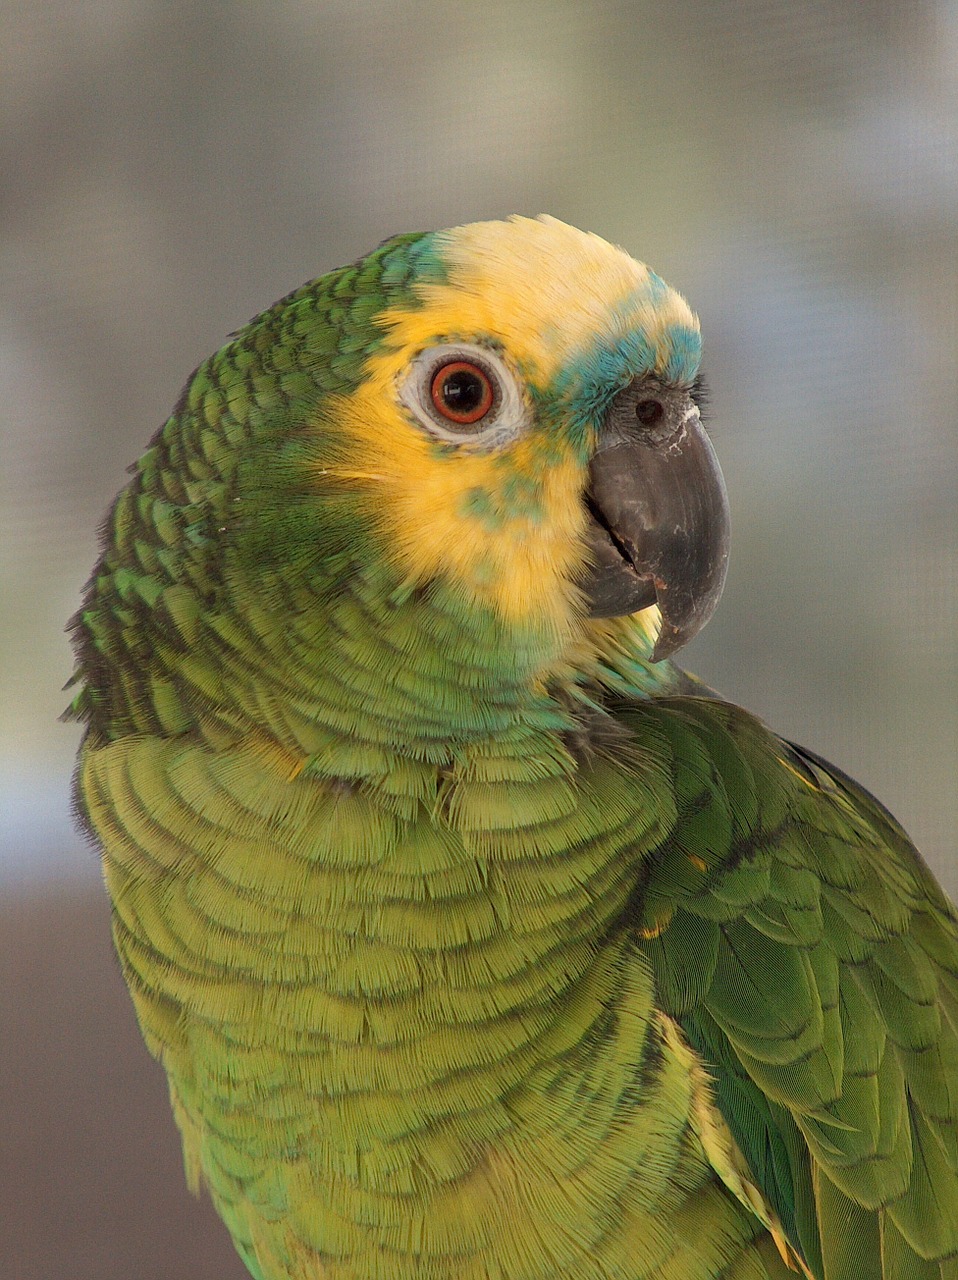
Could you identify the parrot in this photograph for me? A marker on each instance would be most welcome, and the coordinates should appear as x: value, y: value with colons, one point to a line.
x: 476, y: 938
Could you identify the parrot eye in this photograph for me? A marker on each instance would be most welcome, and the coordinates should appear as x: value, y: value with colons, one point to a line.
x: 464, y: 394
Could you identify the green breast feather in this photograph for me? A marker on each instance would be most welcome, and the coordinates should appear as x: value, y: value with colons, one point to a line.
x: 478, y: 942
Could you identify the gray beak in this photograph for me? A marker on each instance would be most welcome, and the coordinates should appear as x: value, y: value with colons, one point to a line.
x: 659, y: 527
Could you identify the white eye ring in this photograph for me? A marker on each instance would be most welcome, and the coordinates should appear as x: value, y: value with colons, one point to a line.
x: 479, y: 405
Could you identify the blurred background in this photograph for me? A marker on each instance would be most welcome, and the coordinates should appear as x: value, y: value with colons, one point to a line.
x: 170, y: 169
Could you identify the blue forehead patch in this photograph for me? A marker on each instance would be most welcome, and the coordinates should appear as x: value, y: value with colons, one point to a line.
x: 684, y: 347
x: 590, y: 381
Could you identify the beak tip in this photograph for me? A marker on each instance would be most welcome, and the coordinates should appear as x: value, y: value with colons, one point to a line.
x: 669, y: 640
x: 684, y: 614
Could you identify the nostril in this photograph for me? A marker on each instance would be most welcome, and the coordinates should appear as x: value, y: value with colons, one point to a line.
x: 649, y: 412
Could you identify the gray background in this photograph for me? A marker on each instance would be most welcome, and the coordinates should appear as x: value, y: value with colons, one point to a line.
x: 169, y: 169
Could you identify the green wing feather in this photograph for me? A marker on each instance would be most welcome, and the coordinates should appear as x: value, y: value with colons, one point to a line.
x: 812, y: 960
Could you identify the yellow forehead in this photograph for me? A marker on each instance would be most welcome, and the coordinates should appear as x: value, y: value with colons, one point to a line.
x: 548, y: 291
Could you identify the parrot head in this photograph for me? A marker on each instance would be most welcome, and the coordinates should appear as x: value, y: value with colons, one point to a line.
x: 525, y: 430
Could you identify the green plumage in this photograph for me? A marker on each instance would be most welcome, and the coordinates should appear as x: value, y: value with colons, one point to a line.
x: 475, y: 944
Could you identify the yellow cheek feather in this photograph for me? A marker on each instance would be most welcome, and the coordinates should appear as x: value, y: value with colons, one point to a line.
x: 450, y: 513
x: 504, y: 526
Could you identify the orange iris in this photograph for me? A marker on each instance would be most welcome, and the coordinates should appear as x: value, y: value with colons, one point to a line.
x: 461, y: 392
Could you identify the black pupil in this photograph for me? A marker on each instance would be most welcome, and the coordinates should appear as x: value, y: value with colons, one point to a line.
x: 649, y: 412
x: 463, y: 391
